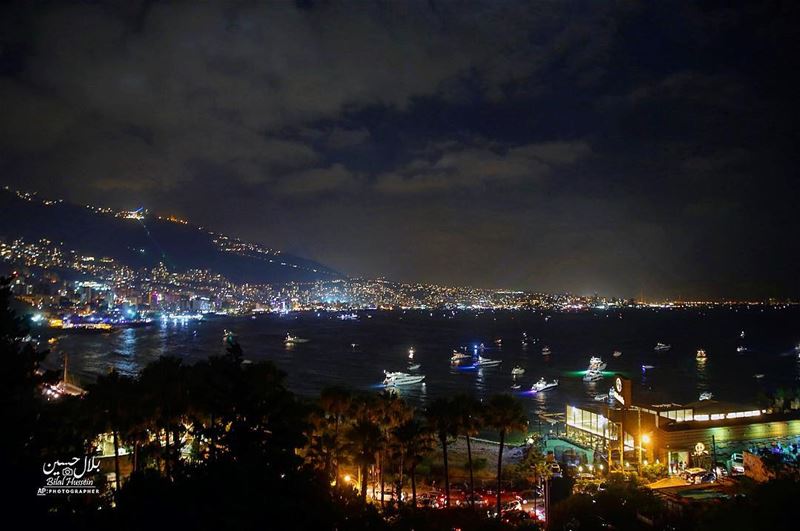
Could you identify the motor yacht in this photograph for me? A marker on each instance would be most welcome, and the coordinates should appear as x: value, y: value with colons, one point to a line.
x: 458, y: 357
x: 394, y: 379
x: 701, y: 354
x: 543, y: 385
x: 546, y: 351
x: 290, y: 339
x: 486, y: 362
x: 706, y: 396
x: 517, y: 371
x: 617, y: 353
x: 662, y: 347
x: 596, y: 364
x: 592, y: 376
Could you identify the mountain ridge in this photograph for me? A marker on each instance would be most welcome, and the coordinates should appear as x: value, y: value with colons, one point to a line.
x: 138, y: 239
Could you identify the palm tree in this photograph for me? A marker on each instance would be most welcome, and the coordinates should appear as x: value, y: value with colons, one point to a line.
x: 414, y: 440
x: 469, y: 416
x: 505, y: 414
x: 389, y: 412
x: 335, y: 403
x: 442, y: 421
x: 163, y: 382
x: 106, y: 397
x: 365, y: 441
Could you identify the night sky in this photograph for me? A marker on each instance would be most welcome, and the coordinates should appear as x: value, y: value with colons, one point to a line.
x: 625, y: 148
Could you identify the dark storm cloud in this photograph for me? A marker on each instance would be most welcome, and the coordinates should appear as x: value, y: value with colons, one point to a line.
x: 618, y: 147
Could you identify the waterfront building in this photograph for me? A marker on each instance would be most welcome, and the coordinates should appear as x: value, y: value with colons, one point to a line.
x: 697, y: 434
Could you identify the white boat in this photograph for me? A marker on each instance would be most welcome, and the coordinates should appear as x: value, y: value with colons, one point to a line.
x: 601, y: 398
x: 543, y: 385
x: 758, y: 376
x: 706, y: 396
x: 517, y: 371
x: 701, y: 354
x: 486, y: 362
x: 546, y: 351
x: 741, y: 349
x: 515, y: 385
x: 290, y: 339
x: 617, y: 353
x: 394, y: 379
x: 592, y: 376
x: 646, y: 367
x: 596, y: 364
x: 458, y: 357
x: 662, y: 347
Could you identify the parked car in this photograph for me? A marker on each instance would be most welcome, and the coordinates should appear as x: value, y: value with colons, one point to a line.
x: 555, y: 469
x: 528, y: 496
x: 515, y: 517
x: 479, y: 500
x: 737, y: 464
x: 693, y: 475
x: 708, y: 477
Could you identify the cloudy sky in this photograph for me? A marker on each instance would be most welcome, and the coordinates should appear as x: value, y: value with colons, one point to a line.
x: 621, y: 147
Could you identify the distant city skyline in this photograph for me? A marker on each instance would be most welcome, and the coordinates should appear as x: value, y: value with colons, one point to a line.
x: 632, y: 149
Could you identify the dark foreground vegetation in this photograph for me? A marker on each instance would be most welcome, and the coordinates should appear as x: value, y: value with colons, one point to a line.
x: 223, y: 444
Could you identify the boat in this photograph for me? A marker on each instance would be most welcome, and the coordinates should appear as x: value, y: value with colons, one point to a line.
x: 701, y: 354
x: 486, y: 362
x: 662, y: 347
x: 596, y: 364
x: 543, y: 385
x: 499, y: 342
x: 458, y: 357
x: 394, y: 379
x: 290, y: 339
x: 741, y: 349
x: 546, y: 351
x: 706, y: 396
x: 758, y: 376
x: 617, y: 353
x: 592, y: 376
x: 741, y: 334
x: 646, y: 367
x: 601, y: 398
x: 517, y: 371
x: 515, y: 385
x: 228, y: 337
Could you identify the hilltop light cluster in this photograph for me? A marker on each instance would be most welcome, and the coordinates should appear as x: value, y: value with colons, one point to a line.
x: 62, y: 283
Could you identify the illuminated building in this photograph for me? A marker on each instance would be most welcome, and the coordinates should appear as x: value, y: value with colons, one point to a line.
x: 678, y: 435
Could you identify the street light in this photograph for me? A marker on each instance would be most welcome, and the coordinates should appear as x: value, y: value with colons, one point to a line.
x: 348, y: 478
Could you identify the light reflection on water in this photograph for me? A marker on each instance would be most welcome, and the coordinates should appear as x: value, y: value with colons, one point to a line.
x: 329, y: 358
